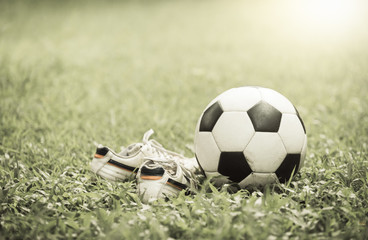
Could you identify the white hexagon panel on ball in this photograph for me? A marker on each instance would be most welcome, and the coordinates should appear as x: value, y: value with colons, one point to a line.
x: 258, y: 179
x: 233, y: 131
x: 265, y: 152
x: 292, y: 133
x: 239, y: 99
x: 207, y: 151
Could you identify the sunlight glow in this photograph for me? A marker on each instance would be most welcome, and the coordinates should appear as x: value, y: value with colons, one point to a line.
x: 330, y: 16
x: 331, y: 12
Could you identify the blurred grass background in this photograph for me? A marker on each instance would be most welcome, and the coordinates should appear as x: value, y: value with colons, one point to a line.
x: 77, y: 72
x: 124, y: 67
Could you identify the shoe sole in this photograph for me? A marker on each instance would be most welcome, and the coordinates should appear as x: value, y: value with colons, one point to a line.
x: 151, y: 187
x: 150, y: 190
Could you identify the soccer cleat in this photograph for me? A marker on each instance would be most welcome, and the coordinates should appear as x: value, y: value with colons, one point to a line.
x: 161, y: 178
x: 123, y: 165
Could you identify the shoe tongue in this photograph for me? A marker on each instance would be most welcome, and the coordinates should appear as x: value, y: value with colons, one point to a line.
x: 131, y: 149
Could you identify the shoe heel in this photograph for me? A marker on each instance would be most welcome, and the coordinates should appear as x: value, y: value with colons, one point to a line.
x: 101, y: 152
x: 98, y: 160
x: 152, y: 173
x: 149, y: 183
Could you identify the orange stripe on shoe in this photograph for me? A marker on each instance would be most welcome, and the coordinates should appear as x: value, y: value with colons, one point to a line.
x: 98, y: 155
x: 151, y: 177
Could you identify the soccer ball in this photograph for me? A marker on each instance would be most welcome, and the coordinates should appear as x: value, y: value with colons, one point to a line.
x: 252, y: 136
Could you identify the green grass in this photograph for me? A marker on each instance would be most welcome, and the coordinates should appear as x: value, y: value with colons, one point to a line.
x: 81, y: 72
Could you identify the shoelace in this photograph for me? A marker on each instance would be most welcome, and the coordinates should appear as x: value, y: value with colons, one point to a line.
x: 156, y: 148
x: 167, y: 163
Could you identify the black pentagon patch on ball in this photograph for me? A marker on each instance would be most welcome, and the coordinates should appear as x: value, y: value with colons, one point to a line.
x: 210, y: 117
x: 300, y: 119
x: 265, y: 117
x: 234, y: 165
x: 287, y: 167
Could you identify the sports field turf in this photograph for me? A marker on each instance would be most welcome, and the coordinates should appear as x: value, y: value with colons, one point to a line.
x: 80, y: 72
